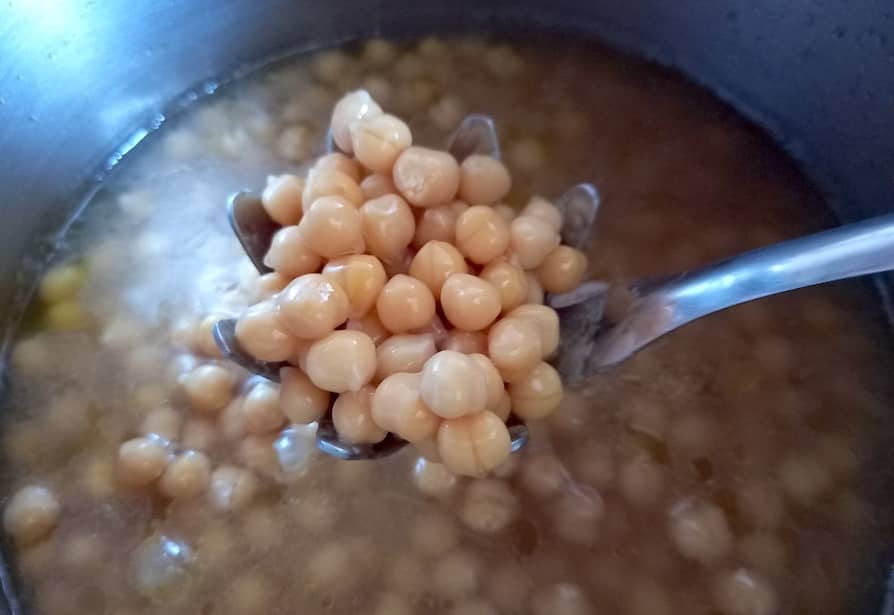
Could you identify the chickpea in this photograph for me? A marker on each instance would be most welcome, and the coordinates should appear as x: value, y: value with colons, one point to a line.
x: 336, y: 161
x: 428, y: 450
x: 31, y: 514
x: 466, y: 342
x: 200, y: 434
x: 473, y: 445
x: 436, y: 328
x: 397, y: 407
x: 405, y: 304
x: 435, y: 262
x: 333, y: 184
x: 743, y: 592
x: 507, y: 212
x: 399, y: 264
x: 332, y: 227
x: 232, y: 488
x: 641, y: 481
x: 531, y: 240
x: 282, y: 198
x: 493, y: 381
x: 388, y: 226
x: 804, y: 478
x: 186, y: 476
x: 514, y: 346
x: 361, y: 276
x: 547, y: 322
x: 560, y: 599
x: 375, y: 185
x: 538, y: 394
x: 543, y: 475
x: 539, y: 207
x: 208, y: 387
x: 699, y: 531
x: 312, y: 306
x: 509, y: 280
x: 141, y: 461
x: 342, y: 361
x: 352, y: 416
x: 67, y: 315
x: 433, y: 478
x: 434, y: 534
x: 483, y: 180
x: 61, y: 283
x: 162, y: 422
x: 426, y: 177
x: 470, y: 303
x: 200, y: 337
x: 453, y: 385
x: 369, y: 324
x: 301, y: 401
x: 456, y: 575
x: 379, y: 52
x: 261, y: 412
x: 289, y: 255
x: 379, y: 140
x: 403, y: 353
x: 489, y: 507
x: 563, y: 270
x: 435, y: 224
x: 481, y: 234
x: 535, y: 290
x: 262, y: 335
x: 351, y: 107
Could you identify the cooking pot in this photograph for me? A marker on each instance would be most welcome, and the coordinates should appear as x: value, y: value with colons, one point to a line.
x: 79, y: 78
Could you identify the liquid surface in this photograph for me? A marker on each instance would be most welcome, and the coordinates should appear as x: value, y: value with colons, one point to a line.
x: 713, y: 473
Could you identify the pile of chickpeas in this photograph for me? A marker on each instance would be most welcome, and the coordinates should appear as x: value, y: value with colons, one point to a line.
x: 406, y: 289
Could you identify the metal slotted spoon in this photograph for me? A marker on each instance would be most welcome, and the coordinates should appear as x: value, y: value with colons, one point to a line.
x: 255, y: 229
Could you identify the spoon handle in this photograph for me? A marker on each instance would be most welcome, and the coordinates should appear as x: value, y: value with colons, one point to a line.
x: 844, y: 252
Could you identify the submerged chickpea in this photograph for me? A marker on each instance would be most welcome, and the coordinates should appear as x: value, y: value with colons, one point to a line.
x: 330, y: 183
x: 261, y: 411
x: 378, y: 141
x: 562, y: 270
x: 375, y: 185
x: 473, y: 445
x: 405, y: 304
x: 62, y: 282
x: 539, y: 207
x: 481, y: 234
x: 388, y: 226
x: 403, y: 353
x: 31, y: 514
x: 336, y: 161
x: 699, y: 531
x: 509, y: 280
x: 397, y: 407
x: 289, y: 255
x: 743, y: 592
x: 531, y: 240
x: 352, y: 416
x: 261, y: 334
x: 352, y: 107
x: 483, y: 180
x: 470, y: 303
x: 538, y: 394
x: 342, y: 361
x: 332, y: 227
x: 300, y: 399
x: 426, y: 177
x: 232, y: 488
x: 312, y: 306
x: 453, y: 385
x: 466, y: 342
x: 186, y: 476
x: 514, y: 346
x: 361, y: 276
x: 208, y: 387
x: 435, y: 262
x: 141, y: 461
x: 282, y: 198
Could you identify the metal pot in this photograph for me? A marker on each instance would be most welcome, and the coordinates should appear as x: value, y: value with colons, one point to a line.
x: 78, y: 78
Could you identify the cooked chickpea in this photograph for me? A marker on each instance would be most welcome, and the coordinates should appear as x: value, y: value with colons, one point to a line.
x: 336, y: 161
x: 538, y: 394
x: 282, y: 198
x: 473, y: 445
x: 435, y: 224
x: 470, y: 303
x: 404, y: 304
x: 342, y: 361
x: 369, y: 324
x: 434, y: 534
x: 426, y: 177
x: 483, y: 180
x: 466, y: 342
x: 560, y: 599
x: 312, y: 306
x: 481, y: 234
x: 489, y: 506
x: 388, y: 226
x: 641, y: 481
x: 514, y: 346
x: 261, y: 411
x: 743, y: 592
x: 162, y: 422
x: 62, y: 282
x: 301, y: 400
x: 435, y: 262
x: 531, y: 240
x: 361, y: 276
x: 208, y: 387
x: 31, y: 514
x: 403, y: 353
x: 507, y: 212
x: 232, y: 488
x: 333, y: 184
x: 351, y: 107
x: 547, y: 322
x: 261, y: 334
x: 493, y: 380
x: 289, y: 255
x: 397, y: 407
x: 539, y: 207
x: 503, y: 407
x: 535, y: 290
x: 352, y: 416
x: 456, y: 575
x: 453, y: 385
x: 200, y: 434
x: 186, y: 476
x: 562, y: 270
x: 332, y: 227
x: 379, y: 140
x: 201, y: 337
x: 699, y: 531
x: 509, y: 280
x: 375, y: 185
x: 433, y: 478
x: 142, y: 460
